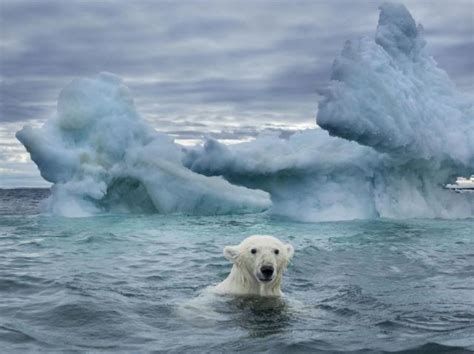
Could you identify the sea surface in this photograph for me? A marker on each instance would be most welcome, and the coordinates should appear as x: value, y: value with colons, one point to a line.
x: 137, y: 283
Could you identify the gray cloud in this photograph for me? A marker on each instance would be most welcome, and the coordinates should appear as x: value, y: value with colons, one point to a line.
x: 197, y: 66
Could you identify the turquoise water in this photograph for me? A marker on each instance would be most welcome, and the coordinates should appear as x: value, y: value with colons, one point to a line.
x: 132, y: 283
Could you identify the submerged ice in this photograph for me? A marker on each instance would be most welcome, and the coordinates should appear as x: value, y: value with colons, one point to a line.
x: 394, y: 131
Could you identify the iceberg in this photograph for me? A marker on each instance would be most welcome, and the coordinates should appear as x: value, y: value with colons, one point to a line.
x: 102, y: 156
x: 393, y: 130
x: 389, y: 94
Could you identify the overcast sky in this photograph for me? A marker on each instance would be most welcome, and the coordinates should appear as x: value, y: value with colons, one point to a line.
x: 227, y: 69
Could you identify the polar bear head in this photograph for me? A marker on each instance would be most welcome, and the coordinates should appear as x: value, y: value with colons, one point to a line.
x: 260, y: 258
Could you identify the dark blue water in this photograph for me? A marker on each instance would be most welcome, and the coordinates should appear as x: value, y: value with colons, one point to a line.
x: 132, y: 283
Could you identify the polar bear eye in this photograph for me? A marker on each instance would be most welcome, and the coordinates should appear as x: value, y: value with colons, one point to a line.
x: 276, y: 251
x: 253, y: 250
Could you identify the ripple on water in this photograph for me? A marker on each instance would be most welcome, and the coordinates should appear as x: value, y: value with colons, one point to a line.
x: 116, y: 283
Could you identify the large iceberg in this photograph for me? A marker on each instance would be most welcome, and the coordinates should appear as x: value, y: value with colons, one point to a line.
x: 394, y: 131
x: 101, y: 156
x: 398, y: 131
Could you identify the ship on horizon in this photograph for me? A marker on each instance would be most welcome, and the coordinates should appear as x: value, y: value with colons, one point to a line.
x: 462, y: 185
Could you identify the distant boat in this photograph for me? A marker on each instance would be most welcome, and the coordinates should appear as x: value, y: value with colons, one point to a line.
x: 462, y: 185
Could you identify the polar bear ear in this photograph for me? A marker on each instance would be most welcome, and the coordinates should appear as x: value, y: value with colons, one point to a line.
x: 289, y: 250
x: 231, y: 253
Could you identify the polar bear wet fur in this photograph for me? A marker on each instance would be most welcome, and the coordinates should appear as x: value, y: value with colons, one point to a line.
x: 258, y: 266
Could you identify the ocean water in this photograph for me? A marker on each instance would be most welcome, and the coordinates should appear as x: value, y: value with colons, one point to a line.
x: 136, y: 283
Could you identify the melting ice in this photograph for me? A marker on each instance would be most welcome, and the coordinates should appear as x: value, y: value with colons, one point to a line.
x: 394, y: 131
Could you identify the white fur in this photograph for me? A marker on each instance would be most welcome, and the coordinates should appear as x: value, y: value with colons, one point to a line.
x: 244, y: 276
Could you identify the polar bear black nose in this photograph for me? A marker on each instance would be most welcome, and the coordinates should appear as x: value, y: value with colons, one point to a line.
x: 267, y: 271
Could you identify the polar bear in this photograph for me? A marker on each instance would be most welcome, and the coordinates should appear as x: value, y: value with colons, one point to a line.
x: 258, y: 265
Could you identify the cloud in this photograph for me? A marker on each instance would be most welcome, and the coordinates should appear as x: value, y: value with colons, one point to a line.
x: 227, y: 64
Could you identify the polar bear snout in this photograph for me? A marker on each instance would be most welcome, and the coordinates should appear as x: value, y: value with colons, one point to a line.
x: 266, y: 273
